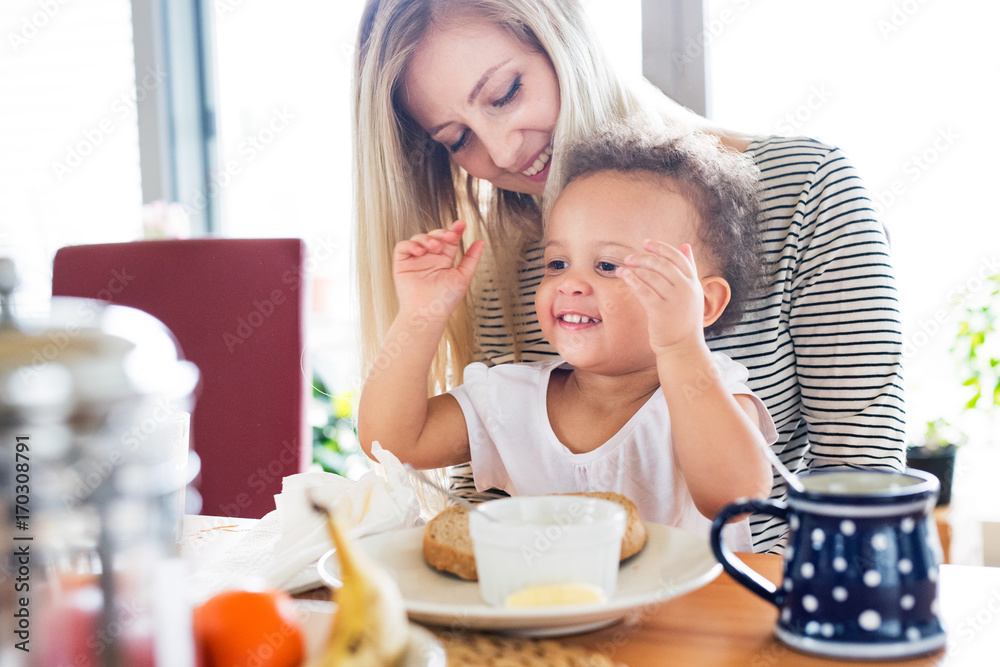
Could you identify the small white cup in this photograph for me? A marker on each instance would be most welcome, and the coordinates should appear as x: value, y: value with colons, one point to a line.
x: 542, y: 540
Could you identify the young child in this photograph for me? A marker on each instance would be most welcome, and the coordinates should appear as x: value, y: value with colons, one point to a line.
x: 651, y: 242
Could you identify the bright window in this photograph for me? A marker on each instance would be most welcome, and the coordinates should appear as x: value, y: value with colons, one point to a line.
x: 69, y: 148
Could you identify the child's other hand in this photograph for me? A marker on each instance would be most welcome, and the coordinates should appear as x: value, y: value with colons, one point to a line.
x: 665, y: 281
x: 428, y: 283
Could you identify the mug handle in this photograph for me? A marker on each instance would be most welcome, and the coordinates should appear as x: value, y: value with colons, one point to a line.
x: 733, y: 566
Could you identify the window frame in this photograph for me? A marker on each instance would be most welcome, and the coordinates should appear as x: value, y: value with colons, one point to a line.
x: 177, y: 138
x: 675, y: 51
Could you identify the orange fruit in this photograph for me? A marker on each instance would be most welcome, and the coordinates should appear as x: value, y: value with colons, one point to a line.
x: 241, y: 628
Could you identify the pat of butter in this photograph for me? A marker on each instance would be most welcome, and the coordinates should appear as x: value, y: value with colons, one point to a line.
x: 556, y: 594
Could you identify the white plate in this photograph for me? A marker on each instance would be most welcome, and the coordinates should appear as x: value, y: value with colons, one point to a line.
x: 316, y: 617
x: 672, y: 563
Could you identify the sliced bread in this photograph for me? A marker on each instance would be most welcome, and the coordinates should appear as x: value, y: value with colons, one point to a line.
x: 448, y: 544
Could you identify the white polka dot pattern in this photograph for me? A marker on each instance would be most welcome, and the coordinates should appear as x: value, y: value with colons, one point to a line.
x: 818, y: 537
x: 870, y: 620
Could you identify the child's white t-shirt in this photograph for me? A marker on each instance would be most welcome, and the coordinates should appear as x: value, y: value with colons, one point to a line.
x: 514, y: 448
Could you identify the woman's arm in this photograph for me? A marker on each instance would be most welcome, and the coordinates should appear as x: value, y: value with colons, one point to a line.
x: 394, y: 408
x: 845, y: 326
x: 822, y: 339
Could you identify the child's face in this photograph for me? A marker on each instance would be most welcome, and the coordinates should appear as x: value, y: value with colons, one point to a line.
x: 597, y: 221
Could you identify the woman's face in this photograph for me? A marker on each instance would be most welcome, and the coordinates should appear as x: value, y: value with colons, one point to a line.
x: 489, y: 100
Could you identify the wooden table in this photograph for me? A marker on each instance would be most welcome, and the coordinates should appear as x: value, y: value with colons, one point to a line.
x: 724, y: 624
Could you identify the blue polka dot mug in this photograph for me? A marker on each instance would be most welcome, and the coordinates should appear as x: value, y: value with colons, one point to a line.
x: 860, y: 566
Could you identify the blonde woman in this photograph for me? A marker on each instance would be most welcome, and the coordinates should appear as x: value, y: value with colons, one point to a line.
x: 462, y: 111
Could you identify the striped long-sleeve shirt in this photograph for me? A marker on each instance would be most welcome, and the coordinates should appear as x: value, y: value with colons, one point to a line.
x: 822, y: 340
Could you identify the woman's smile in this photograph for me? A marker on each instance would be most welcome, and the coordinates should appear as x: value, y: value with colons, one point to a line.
x: 539, y: 168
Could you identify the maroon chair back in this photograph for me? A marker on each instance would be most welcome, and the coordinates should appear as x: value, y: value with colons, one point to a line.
x: 236, y: 307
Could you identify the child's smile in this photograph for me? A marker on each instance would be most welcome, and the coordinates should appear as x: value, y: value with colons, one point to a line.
x: 576, y: 321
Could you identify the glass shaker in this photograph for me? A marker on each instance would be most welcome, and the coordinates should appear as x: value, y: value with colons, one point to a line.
x: 94, y: 462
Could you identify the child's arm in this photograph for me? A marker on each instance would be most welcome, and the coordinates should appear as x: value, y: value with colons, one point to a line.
x: 717, y: 437
x: 394, y: 407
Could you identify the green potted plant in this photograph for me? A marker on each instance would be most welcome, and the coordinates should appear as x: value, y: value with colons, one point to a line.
x: 335, y: 435
x: 976, y: 353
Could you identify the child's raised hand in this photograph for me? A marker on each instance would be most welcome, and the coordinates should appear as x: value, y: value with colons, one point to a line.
x: 665, y: 281
x: 428, y: 282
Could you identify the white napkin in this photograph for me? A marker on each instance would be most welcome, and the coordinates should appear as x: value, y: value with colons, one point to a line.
x: 372, y: 504
x: 281, y: 551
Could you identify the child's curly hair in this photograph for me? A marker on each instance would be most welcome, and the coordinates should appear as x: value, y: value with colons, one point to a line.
x: 720, y: 183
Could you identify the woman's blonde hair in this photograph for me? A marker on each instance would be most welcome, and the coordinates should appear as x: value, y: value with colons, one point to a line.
x: 406, y: 183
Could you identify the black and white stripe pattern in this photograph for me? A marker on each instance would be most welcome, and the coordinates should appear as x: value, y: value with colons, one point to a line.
x: 822, y: 341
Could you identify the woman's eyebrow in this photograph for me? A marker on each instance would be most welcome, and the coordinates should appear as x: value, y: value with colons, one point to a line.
x: 484, y: 78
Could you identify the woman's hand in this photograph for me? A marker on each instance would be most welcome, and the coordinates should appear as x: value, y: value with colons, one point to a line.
x: 428, y: 283
x: 665, y: 281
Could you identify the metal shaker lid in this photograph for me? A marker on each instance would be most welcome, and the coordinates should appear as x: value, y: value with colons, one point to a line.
x: 83, y: 357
